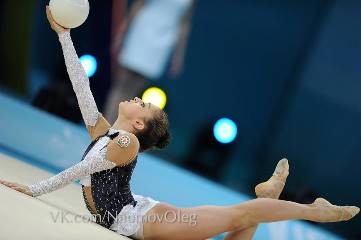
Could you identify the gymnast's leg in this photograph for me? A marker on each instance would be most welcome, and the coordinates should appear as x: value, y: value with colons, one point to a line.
x: 172, y: 222
x: 269, y: 189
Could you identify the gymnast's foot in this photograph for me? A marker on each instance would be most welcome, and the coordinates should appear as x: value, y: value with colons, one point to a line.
x: 274, y: 186
x: 327, y: 212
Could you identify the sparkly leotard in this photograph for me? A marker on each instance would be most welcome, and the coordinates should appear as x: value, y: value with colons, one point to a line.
x: 110, y: 188
x: 109, y: 183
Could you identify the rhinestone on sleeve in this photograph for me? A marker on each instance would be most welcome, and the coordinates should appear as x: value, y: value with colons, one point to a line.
x: 79, y: 80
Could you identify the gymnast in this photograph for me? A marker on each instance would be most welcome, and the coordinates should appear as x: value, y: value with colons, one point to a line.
x: 107, y: 165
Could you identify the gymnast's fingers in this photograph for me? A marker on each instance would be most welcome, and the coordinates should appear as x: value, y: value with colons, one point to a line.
x: 6, y: 183
x: 55, y: 26
x: 18, y: 188
x: 23, y: 189
x: 49, y: 16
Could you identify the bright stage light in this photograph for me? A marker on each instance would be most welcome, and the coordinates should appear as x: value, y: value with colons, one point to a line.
x: 155, y: 96
x: 225, y: 130
x: 89, y: 64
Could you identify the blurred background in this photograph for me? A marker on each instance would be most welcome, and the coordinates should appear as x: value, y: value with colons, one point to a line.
x: 245, y: 83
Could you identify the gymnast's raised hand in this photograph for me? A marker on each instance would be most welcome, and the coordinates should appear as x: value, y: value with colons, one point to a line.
x: 56, y: 27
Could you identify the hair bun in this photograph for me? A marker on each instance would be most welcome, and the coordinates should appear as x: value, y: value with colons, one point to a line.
x: 163, y: 141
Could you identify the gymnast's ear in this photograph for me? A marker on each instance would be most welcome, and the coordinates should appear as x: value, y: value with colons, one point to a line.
x: 138, y: 124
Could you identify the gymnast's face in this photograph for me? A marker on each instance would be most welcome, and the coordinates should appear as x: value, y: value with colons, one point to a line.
x: 137, y: 112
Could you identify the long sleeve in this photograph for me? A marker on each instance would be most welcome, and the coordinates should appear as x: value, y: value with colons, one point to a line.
x: 90, y: 165
x: 79, y: 80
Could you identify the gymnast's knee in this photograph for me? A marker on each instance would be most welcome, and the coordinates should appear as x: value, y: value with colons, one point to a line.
x: 245, y: 218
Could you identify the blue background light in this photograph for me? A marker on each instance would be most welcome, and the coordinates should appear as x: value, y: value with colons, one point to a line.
x: 225, y: 130
x: 89, y: 64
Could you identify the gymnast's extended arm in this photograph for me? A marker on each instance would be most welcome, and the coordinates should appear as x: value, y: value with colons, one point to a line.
x: 109, y: 157
x: 84, y: 168
x: 95, y: 122
x: 79, y: 80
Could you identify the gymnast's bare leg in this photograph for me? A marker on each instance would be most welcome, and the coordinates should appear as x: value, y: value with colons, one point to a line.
x: 269, y: 189
x: 171, y: 222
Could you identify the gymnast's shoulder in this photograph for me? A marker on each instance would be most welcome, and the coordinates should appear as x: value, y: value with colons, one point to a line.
x: 123, y: 149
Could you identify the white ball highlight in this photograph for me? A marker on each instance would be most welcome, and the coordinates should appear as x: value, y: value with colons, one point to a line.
x: 69, y: 13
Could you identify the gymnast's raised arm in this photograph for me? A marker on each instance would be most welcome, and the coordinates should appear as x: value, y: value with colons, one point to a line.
x: 94, y: 121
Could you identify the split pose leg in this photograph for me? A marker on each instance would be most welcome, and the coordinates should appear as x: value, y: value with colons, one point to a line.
x: 213, y: 220
x: 269, y: 189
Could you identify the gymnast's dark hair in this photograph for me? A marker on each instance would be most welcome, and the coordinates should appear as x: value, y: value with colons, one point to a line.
x: 155, y: 135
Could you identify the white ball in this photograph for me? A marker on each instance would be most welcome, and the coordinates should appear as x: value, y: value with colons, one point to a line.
x: 69, y: 13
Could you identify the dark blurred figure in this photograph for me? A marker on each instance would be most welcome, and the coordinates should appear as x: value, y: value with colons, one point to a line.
x: 58, y: 97
x: 208, y: 157
x: 302, y: 195
x: 151, y: 32
x: 15, y: 25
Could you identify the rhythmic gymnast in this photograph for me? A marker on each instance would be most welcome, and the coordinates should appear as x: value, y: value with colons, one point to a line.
x: 107, y: 165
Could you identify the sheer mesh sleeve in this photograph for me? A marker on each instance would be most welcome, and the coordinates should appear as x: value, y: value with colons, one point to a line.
x: 79, y: 80
x: 89, y: 165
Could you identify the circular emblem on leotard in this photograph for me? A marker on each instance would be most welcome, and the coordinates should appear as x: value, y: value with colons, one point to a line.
x: 124, y: 141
